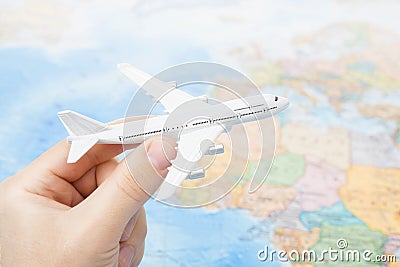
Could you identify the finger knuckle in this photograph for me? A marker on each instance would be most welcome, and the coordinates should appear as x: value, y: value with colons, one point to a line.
x: 131, y: 188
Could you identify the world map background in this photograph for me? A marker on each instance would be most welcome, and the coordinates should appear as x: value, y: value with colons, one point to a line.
x: 336, y: 173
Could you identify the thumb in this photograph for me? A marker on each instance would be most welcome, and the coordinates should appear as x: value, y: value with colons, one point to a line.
x: 114, y: 202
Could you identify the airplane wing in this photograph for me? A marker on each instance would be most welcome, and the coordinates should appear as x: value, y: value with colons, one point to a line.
x: 190, y: 152
x: 155, y: 88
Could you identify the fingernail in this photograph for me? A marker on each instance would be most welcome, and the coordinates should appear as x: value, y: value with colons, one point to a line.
x: 161, y: 153
x: 126, y: 255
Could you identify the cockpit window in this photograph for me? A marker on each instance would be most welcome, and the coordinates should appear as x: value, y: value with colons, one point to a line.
x: 276, y: 98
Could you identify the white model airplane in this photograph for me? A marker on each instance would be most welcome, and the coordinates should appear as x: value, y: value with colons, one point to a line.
x: 191, y: 126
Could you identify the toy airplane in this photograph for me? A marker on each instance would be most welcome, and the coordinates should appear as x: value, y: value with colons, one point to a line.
x: 204, y: 121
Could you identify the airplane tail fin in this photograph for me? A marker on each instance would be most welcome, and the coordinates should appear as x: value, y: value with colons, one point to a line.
x: 77, y: 125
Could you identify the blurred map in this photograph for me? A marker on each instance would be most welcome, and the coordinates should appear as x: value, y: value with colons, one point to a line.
x: 337, y: 168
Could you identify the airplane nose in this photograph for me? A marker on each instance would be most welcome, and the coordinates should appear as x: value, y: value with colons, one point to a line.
x: 285, y: 101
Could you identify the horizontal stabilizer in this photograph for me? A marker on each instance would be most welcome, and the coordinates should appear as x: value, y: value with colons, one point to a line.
x: 78, y: 124
x: 79, y: 148
x: 171, y: 183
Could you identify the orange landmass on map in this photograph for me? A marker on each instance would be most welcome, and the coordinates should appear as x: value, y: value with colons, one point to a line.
x: 393, y: 264
x: 382, y: 111
x: 372, y: 194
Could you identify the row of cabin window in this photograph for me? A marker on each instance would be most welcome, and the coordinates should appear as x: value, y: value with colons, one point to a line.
x: 158, y: 131
x: 226, y: 118
x: 197, y: 123
x: 245, y: 114
x: 202, y: 122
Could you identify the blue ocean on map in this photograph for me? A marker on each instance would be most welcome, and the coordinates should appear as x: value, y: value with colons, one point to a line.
x: 211, y: 243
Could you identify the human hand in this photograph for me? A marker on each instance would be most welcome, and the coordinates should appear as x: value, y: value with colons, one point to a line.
x: 88, y: 213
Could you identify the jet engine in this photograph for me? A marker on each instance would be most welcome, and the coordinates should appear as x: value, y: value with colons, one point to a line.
x: 216, y: 149
x: 196, y: 174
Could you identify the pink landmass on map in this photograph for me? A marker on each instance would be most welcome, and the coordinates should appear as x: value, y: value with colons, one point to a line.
x: 319, y: 186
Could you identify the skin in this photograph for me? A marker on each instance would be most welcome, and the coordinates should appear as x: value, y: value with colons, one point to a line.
x: 88, y: 213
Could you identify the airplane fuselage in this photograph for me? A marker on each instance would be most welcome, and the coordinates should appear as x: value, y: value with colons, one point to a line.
x: 226, y: 114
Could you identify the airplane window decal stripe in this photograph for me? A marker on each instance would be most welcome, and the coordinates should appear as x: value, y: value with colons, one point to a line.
x: 211, y: 121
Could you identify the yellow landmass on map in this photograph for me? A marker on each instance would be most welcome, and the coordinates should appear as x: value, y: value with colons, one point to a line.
x: 273, y: 77
x: 331, y: 145
x: 372, y: 194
